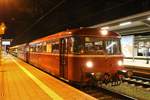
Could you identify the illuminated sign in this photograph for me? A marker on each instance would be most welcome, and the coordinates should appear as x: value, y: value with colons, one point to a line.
x: 5, y: 42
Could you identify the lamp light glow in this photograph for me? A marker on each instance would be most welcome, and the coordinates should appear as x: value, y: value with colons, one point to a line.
x: 148, y: 18
x: 105, y: 28
x: 104, y: 32
x: 125, y: 23
x: 89, y: 64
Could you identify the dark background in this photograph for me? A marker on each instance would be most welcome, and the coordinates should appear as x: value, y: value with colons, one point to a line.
x: 30, y: 19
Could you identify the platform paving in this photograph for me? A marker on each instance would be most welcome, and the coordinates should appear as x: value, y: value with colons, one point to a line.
x: 21, y: 81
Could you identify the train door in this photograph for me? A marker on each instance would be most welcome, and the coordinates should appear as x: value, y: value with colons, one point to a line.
x: 63, y: 58
x: 27, y: 51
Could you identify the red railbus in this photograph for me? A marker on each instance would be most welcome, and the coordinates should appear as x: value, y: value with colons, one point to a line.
x: 78, y: 55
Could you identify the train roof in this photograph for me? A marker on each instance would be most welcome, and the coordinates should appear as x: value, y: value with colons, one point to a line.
x: 77, y: 32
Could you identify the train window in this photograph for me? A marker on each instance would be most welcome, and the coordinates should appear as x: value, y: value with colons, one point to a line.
x: 44, y: 47
x: 113, y: 47
x: 49, y: 47
x: 27, y: 49
x: 36, y: 48
x: 78, y: 47
x: 66, y: 45
x: 70, y: 44
x: 87, y: 39
x: 88, y: 45
x: 39, y: 47
x: 32, y: 49
x: 55, y: 47
x: 94, y: 46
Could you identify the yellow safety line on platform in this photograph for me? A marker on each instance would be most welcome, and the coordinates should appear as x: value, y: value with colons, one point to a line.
x: 45, y: 88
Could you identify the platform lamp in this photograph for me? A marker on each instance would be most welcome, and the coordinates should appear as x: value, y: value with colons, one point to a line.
x: 2, y: 28
x: 2, y: 31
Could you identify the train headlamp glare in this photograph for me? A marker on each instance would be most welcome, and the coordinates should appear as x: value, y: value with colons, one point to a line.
x: 120, y: 63
x: 89, y: 64
x: 92, y: 73
x: 104, y: 32
x: 124, y: 71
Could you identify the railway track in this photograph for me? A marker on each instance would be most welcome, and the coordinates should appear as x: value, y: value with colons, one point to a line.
x: 138, y: 81
x: 140, y: 71
x: 102, y: 93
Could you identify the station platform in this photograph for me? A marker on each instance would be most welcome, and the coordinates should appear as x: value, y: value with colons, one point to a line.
x: 136, y: 63
x: 139, y: 67
x: 21, y: 81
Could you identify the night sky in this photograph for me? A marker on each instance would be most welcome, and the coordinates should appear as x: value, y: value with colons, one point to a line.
x: 30, y: 19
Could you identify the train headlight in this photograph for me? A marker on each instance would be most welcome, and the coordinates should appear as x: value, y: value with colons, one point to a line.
x: 104, y: 32
x: 124, y: 71
x: 89, y: 64
x: 92, y: 74
x: 120, y: 63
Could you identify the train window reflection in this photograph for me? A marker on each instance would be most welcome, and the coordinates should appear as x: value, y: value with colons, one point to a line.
x: 55, y: 47
x: 88, y: 45
x: 78, y: 46
x: 39, y: 47
x: 44, y: 47
x: 113, y: 47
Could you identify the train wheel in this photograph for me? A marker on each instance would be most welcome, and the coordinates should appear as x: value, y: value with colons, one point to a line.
x: 107, y: 78
x: 120, y: 79
x: 91, y: 80
x: 129, y: 73
x: 115, y: 79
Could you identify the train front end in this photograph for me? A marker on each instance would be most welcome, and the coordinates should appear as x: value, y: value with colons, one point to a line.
x: 98, y: 58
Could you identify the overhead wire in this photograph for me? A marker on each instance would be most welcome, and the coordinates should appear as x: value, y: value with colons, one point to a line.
x: 46, y: 14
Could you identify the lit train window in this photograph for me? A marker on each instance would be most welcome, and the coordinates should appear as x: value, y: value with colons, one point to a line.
x: 49, y: 47
x: 55, y: 47
x: 44, y: 47
x: 27, y: 49
x: 78, y: 47
x: 87, y: 39
x: 66, y: 46
x: 39, y: 47
x: 88, y: 45
x: 36, y: 48
x: 95, y: 46
x: 70, y: 44
x: 113, y: 47
x: 32, y: 49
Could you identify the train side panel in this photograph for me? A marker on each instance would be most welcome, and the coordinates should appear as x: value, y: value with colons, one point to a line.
x: 22, y: 55
x: 74, y: 53
x: 33, y: 58
x: 46, y: 62
x: 20, y: 51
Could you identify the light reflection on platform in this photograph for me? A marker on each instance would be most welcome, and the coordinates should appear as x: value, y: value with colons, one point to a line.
x: 136, y: 62
x: 15, y: 84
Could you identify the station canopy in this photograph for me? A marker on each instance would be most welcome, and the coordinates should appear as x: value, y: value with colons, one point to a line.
x: 135, y: 24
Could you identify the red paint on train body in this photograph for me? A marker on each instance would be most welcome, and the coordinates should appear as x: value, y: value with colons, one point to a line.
x: 73, y: 54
